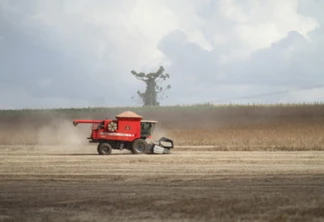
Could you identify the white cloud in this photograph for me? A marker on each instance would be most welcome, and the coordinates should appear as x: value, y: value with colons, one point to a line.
x: 257, y: 24
x: 94, y: 45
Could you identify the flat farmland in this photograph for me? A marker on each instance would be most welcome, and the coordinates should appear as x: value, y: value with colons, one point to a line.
x: 230, y: 128
x: 67, y: 183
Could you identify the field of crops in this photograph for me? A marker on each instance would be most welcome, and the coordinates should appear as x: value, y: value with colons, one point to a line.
x: 49, y: 173
x: 230, y: 127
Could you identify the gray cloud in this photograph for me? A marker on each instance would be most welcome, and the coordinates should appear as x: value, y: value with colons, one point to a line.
x: 60, y: 54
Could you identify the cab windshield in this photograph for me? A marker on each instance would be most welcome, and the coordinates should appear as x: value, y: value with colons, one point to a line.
x: 147, y: 129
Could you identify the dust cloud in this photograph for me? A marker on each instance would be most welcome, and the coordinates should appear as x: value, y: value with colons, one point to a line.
x: 158, y: 133
x: 62, y: 132
x: 63, y: 135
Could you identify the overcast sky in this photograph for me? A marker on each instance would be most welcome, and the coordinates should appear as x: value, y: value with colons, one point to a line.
x: 75, y: 53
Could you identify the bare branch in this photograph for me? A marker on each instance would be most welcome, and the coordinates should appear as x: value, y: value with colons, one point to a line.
x: 153, y: 82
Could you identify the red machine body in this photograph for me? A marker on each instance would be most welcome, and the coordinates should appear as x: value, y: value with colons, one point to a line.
x: 127, y: 131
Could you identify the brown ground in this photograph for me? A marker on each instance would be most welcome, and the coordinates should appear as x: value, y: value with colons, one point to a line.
x: 197, y: 184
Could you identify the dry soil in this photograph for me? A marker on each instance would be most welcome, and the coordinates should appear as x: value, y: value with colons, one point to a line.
x: 198, y: 184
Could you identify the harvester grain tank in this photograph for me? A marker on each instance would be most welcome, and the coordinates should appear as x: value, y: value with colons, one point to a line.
x: 127, y: 131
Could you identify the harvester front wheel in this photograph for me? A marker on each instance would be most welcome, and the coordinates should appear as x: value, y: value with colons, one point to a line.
x: 104, y: 149
x: 139, y: 146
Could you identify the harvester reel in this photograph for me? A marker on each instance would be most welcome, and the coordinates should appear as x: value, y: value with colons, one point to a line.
x: 112, y: 126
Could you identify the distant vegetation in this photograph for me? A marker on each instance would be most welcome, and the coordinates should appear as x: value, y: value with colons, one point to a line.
x: 227, y: 127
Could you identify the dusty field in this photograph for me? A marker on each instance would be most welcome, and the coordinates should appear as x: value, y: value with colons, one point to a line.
x: 231, y: 128
x: 196, y: 184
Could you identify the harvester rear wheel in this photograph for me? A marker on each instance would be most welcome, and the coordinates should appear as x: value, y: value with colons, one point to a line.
x: 104, y: 149
x: 139, y: 146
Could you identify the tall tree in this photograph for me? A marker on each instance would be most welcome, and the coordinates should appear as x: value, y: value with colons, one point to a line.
x: 153, y: 86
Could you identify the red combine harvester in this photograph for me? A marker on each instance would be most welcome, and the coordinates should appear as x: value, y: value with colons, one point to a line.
x: 127, y: 131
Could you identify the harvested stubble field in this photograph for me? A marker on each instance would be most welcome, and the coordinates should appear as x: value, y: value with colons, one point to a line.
x: 48, y: 173
x: 52, y: 183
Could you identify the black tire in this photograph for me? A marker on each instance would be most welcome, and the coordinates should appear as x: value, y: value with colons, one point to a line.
x: 139, y: 146
x: 104, y: 149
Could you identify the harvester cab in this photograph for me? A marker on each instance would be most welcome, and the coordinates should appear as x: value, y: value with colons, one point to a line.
x: 147, y: 128
x: 127, y: 131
